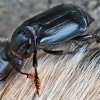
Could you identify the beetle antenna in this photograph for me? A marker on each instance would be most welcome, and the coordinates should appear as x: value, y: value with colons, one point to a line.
x: 28, y: 75
x: 11, y: 57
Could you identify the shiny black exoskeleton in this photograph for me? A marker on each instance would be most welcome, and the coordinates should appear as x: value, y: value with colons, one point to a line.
x: 5, y: 67
x: 47, y: 31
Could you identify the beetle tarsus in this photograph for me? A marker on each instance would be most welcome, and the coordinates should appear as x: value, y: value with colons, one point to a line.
x: 37, y: 85
x: 37, y: 81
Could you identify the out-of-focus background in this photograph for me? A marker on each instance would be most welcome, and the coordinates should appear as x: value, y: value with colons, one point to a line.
x: 14, y: 12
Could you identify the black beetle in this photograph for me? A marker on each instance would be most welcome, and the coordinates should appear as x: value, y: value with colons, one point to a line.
x: 47, y: 31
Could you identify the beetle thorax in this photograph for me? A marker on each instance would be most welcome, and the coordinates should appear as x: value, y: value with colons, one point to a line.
x: 21, y: 45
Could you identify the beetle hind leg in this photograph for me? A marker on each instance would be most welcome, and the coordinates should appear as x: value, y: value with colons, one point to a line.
x: 87, y: 37
x: 94, y: 35
x: 83, y: 37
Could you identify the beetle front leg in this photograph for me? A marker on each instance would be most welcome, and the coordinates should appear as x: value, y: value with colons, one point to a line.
x: 36, y: 80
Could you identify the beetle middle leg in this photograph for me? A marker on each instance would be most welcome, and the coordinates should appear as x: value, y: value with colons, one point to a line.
x: 60, y: 52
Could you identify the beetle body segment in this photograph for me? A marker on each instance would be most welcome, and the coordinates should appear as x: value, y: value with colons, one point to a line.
x: 46, y: 31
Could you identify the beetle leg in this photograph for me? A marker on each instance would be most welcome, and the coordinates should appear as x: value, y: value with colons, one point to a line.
x: 87, y: 37
x: 60, y: 52
x: 97, y: 38
x: 36, y: 80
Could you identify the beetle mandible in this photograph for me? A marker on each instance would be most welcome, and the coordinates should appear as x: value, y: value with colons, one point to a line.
x: 47, y: 31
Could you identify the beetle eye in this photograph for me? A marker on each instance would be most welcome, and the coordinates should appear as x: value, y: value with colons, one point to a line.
x: 18, y: 62
x: 28, y: 51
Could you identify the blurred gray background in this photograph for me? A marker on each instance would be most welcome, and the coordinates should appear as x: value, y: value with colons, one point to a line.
x: 14, y: 12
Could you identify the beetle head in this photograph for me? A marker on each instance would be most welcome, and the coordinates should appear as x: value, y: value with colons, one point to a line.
x: 23, y: 42
x: 16, y: 61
